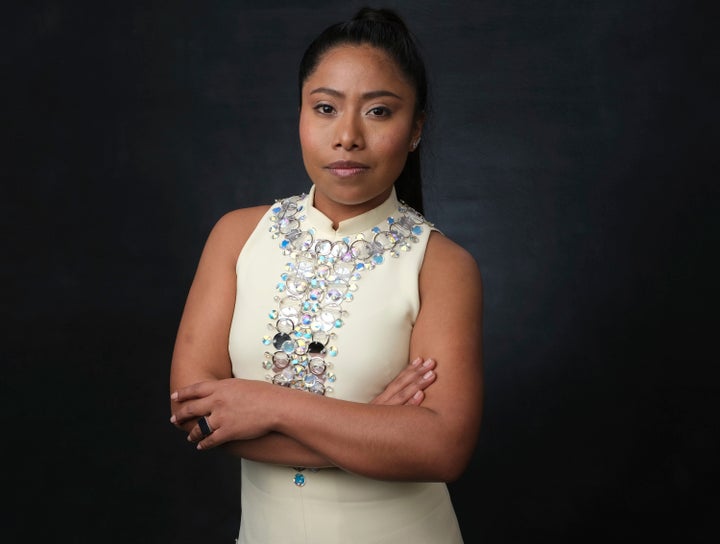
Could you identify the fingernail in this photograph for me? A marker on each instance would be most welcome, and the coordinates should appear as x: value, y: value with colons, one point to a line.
x: 174, y: 396
x: 427, y: 362
x: 427, y: 374
x: 418, y: 395
x: 173, y: 419
x: 416, y: 362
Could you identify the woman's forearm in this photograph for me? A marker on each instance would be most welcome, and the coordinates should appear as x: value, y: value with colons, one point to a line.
x: 277, y: 449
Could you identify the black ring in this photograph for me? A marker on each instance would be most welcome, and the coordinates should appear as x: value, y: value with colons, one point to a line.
x: 205, y: 428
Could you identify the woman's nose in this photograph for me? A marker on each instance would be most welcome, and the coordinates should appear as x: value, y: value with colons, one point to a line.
x: 349, y: 133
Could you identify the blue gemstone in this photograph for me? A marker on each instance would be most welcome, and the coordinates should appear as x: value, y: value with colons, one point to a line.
x: 299, y: 480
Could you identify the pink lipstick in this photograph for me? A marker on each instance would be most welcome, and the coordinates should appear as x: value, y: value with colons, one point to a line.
x: 346, y: 169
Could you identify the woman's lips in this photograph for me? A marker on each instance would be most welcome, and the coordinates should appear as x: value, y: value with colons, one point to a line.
x: 346, y: 169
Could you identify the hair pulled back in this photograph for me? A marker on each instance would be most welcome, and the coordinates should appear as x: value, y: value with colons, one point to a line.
x: 385, y: 30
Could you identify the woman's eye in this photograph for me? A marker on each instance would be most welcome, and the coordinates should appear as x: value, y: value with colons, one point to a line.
x: 380, y: 111
x: 324, y: 108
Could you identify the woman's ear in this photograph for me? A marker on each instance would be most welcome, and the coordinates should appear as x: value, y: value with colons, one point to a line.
x: 417, y: 131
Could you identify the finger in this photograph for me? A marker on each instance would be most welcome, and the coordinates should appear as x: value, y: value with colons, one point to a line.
x: 421, y: 378
x: 194, y: 391
x: 190, y: 411
x: 413, y: 374
x: 416, y: 399
x: 209, y: 441
x: 202, y: 429
x: 406, y: 377
x: 414, y: 393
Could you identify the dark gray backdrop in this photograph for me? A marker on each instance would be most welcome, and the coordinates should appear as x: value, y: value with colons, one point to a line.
x: 568, y: 152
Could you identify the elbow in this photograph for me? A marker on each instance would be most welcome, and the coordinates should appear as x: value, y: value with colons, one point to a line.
x: 453, y: 468
x: 452, y: 462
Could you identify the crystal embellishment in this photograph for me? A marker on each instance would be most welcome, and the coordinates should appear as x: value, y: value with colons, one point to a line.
x: 320, y: 278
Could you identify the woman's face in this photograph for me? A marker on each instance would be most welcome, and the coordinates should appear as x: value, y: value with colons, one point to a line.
x: 357, y: 125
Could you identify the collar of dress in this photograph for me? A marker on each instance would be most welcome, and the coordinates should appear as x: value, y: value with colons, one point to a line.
x: 354, y: 225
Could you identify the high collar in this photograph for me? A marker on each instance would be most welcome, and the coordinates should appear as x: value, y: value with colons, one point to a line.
x: 353, y: 225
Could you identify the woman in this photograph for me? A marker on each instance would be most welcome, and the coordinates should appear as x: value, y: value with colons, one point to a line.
x: 333, y: 339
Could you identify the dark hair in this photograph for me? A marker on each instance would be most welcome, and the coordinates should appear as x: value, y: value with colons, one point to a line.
x: 384, y: 29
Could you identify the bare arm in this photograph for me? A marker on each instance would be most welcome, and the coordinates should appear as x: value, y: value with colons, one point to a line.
x: 201, y: 344
x: 407, y: 388
x: 433, y: 441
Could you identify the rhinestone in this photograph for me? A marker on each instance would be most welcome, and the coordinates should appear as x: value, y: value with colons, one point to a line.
x: 400, y: 230
x: 303, y: 242
x: 361, y: 249
x: 289, y: 307
x: 343, y: 270
x: 285, y: 325
x: 306, y: 268
x: 385, y: 239
x: 315, y: 347
x: 322, y: 270
x: 323, y: 247
x: 281, y: 359
x: 321, y: 337
x: 317, y: 365
x: 287, y: 225
x: 336, y: 293
x: 301, y: 347
x: 279, y: 339
x: 339, y: 249
x: 296, y: 286
x: 318, y: 388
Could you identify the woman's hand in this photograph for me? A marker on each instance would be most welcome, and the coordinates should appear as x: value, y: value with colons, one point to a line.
x: 409, y: 386
x: 233, y: 408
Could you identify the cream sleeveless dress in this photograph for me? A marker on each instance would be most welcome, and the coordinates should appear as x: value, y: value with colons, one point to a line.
x: 331, y: 311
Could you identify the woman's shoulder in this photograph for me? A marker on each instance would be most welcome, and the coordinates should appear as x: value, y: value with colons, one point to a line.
x: 242, y: 217
x: 441, y: 247
x: 233, y: 228
x: 446, y: 259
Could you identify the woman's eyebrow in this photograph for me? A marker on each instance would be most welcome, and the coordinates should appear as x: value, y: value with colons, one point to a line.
x: 368, y: 95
